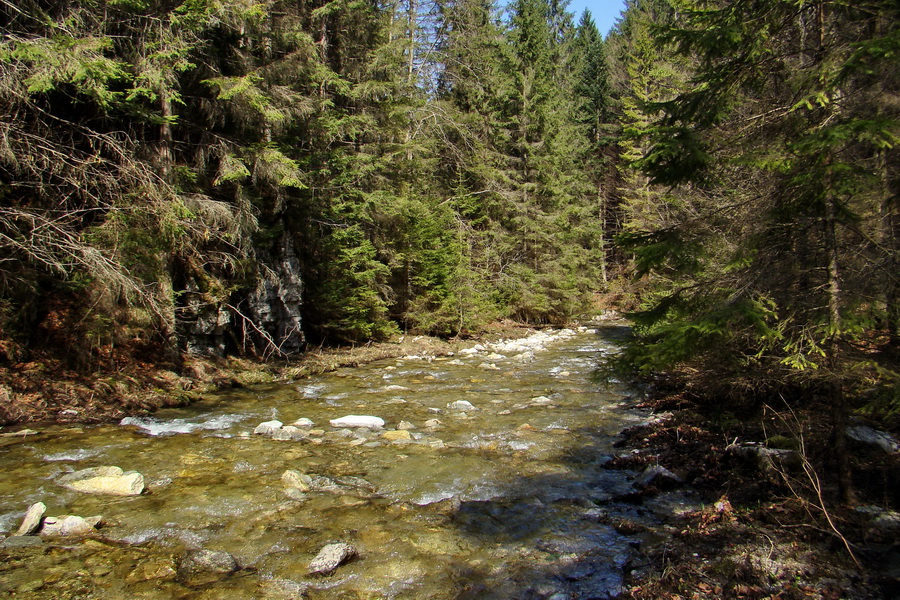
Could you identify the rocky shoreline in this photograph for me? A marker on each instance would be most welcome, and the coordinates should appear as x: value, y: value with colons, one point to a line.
x: 46, y: 391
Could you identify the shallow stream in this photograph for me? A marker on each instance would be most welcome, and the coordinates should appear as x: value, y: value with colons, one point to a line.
x: 497, y: 501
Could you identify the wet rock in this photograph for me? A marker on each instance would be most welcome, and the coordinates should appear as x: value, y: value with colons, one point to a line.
x: 358, y: 421
x: 151, y: 569
x: 303, y: 482
x: 657, y: 476
x: 399, y: 435
x: 283, y: 589
x: 405, y: 425
x: 304, y: 423
x: 203, y: 563
x: 541, y: 401
x: 461, y: 405
x: 288, y: 433
x: 330, y: 558
x: 105, y: 480
x: 268, y: 428
x: 69, y: 525
x: 396, y: 388
x: 873, y: 437
x: 21, y: 541
x: 488, y: 366
x: 31, y: 522
x: 309, y: 483
x: 433, y: 423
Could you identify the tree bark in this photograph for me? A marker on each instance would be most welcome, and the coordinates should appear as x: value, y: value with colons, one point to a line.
x: 839, y: 407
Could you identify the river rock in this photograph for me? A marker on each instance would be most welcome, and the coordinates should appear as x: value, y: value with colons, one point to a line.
x: 202, y: 561
x: 405, y: 425
x: 69, y: 525
x: 488, y: 366
x: 397, y: 435
x: 105, y: 480
x: 32, y: 520
x: 873, y: 437
x: 330, y: 558
x: 304, y: 423
x: 433, y: 423
x: 396, y: 388
x: 268, y: 427
x: 657, y: 476
x: 462, y: 405
x: 21, y: 541
x: 289, y: 432
x: 308, y: 483
x: 358, y: 421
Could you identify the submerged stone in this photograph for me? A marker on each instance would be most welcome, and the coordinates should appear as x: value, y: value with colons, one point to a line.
x: 330, y: 558
x: 397, y: 435
x: 105, y: 480
x: 203, y: 562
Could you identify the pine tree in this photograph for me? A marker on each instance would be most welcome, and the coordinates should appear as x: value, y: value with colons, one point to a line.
x: 771, y: 254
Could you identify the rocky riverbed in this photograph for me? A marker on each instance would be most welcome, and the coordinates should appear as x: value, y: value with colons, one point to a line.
x: 477, y: 475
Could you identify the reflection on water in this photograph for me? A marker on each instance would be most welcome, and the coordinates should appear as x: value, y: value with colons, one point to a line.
x: 487, y: 501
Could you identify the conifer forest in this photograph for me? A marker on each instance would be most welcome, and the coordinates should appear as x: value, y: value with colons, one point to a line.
x: 263, y: 179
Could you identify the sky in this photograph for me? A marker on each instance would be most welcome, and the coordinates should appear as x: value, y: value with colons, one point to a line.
x: 605, y: 12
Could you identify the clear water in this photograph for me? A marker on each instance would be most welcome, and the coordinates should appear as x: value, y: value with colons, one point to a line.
x: 492, y: 503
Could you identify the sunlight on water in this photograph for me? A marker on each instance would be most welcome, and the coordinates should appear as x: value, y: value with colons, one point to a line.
x: 480, y: 480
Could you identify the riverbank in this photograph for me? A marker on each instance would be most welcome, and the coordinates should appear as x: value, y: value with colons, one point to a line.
x: 45, y: 389
x: 765, y: 532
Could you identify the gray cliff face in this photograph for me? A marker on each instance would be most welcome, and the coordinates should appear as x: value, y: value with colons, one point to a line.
x: 265, y: 321
x: 274, y: 305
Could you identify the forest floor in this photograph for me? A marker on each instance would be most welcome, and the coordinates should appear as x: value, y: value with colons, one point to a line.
x: 763, y: 534
x: 136, y: 380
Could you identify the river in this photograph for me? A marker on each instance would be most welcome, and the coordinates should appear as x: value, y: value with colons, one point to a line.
x: 499, y: 500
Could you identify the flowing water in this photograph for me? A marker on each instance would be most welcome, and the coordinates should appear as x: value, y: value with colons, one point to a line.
x: 495, y: 501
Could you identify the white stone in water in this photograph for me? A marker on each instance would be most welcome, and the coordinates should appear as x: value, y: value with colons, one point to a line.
x: 468, y: 351
x: 330, y: 558
x: 433, y: 423
x: 358, y: 421
x: 32, y: 520
x: 488, y: 366
x: 105, y: 480
x: 67, y: 525
x: 268, y: 428
x: 304, y: 422
x: 461, y: 405
x: 541, y: 400
x: 405, y: 425
x: 396, y: 388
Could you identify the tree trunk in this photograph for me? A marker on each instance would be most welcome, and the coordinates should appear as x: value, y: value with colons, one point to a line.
x: 164, y: 150
x: 839, y: 408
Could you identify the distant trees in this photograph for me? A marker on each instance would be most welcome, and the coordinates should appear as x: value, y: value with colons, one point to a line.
x: 424, y: 165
